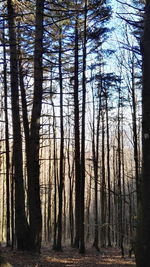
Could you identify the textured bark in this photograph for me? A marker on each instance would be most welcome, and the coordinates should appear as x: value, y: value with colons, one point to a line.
x: 143, y: 231
x: 21, y: 225
x: 35, y: 216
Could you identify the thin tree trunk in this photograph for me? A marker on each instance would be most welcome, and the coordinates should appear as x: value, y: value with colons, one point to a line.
x: 71, y: 182
x: 55, y: 179
x: 77, y: 140
x: 61, y: 168
x: 134, y: 123
x: 6, y: 142
x: 12, y: 201
x: 49, y: 208
x: 103, y: 187
x: 119, y: 183
x: 108, y: 172
x: 95, y: 150
x: 82, y: 185
x: 88, y: 209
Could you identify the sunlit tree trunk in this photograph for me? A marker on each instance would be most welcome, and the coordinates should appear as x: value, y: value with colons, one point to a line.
x: 6, y: 141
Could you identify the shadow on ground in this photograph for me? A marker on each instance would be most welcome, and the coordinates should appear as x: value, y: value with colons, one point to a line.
x: 69, y: 258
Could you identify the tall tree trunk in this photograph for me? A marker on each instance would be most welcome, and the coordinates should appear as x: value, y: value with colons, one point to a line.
x: 134, y: 123
x: 55, y: 178
x: 82, y: 185
x: 35, y: 216
x: 77, y: 139
x: 12, y: 201
x: 124, y: 214
x: 108, y: 170
x: 95, y: 152
x: 119, y: 182
x: 143, y: 230
x: 71, y: 183
x: 6, y: 142
x: 22, y: 229
x: 49, y: 204
x: 103, y: 187
x: 61, y: 168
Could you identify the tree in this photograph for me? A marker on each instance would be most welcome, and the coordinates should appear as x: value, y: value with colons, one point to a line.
x: 35, y: 216
x: 6, y: 138
x: 82, y: 185
x: 95, y: 155
x: 21, y: 224
x: 61, y: 168
x: 143, y: 230
x: 77, y: 136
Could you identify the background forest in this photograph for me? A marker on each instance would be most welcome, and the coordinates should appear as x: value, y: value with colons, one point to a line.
x: 70, y: 123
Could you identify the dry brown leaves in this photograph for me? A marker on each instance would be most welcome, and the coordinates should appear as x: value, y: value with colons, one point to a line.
x: 69, y: 257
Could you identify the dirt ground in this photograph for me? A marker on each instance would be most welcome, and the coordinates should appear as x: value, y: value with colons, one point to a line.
x: 69, y: 257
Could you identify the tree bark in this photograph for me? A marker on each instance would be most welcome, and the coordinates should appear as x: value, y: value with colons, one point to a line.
x: 143, y: 230
x: 22, y: 228
x: 35, y: 216
x: 6, y: 141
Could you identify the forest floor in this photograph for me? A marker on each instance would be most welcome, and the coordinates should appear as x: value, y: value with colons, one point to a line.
x: 70, y: 257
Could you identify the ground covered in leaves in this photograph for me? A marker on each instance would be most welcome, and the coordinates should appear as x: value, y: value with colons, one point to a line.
x: 69, y: 257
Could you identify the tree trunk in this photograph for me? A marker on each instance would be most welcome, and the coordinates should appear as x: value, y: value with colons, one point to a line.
x: 95, y: 153
x: 35, y: 216
x: 77, y: 139
x: 61, y: 168
x: 6, y: 142
x: 103, y: 187
x: 71, y: 183
x: 119, y: 180
x: 55, y: 178
x: 143, y: 230
x: 49, y: 204
x: 108, y: 171
x: 22, y: 228
x: 82, y: 185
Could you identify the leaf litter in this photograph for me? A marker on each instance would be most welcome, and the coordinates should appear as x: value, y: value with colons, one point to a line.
x: 69, y: 257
